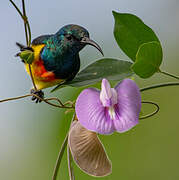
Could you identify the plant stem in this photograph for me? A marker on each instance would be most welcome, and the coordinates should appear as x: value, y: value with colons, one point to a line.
x: 59, y: 158
x: 28, y: 38
x: 168, y: 74
x: 18, y: 10
x: 25, y: 22
x: 153, y: 113
x: 60, y: 155
x: 27, y: 34
x: 158, y: 86
x: 45, y: 100
x: 26, y: 25
x: 29, y: 30
x: 154, y: 87
x: 24, y: 18
x: 55, y: 99
x: 70, y: 168
x: 15, y: 98
x: 32, y: 78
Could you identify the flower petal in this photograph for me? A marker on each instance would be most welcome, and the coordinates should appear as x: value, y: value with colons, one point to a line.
x: 108, y: 95
x: 91, y: 113
x: 129, y: 105
x: 88, y: 151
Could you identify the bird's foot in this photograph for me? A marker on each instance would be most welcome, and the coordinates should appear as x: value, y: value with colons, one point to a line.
x: 38, y: 93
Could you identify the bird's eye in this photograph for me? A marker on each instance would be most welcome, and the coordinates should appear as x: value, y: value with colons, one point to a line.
x: 69, y: 37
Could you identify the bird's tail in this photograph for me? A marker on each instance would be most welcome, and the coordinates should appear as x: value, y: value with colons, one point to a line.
x: 23, y: 48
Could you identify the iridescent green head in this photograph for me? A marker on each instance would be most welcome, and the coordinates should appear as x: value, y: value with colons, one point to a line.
x: 76, y: 37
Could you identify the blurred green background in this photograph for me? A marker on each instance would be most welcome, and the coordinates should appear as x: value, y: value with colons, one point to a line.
x: 31, y: 135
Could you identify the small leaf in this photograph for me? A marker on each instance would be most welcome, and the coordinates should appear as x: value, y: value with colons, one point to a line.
x: 112, y: 69
x: 27, y: 56
x: 130, y: 32
x: 148, y: 59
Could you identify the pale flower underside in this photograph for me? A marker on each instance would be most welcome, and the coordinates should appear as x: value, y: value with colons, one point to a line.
x: 88, y: 151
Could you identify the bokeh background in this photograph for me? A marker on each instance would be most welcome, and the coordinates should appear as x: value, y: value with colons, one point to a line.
x: 31, y: 135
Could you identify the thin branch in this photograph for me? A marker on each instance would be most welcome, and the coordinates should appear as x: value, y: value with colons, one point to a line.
x: 15, y: 98
x: 168, y: 74
x: 158, y: 86
x: 55, y: 99
x: 153, y: 113
x: 70, y: 168
x: 60, y: 155
x: 59, y: 158
x: 45, y: 100
x: 25, y: 22
x: 32, y: 78
x: 27, y: 34
x: 26, y: 25
x: 28, y: 39
x: 55, y: 105
x: 18, y: 10
x: 29, y: 30
x: 154, y: 87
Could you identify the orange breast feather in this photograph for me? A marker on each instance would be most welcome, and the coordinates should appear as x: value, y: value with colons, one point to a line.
x: 42, y: 77
x: 41, y: 73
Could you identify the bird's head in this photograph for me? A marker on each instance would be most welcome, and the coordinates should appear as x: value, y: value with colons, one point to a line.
x: 76, y: 37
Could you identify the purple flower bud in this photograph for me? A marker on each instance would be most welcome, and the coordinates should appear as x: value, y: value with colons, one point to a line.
x: 111, y: 109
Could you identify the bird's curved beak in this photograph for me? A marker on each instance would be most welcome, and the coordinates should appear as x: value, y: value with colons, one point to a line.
x: 86, y: 40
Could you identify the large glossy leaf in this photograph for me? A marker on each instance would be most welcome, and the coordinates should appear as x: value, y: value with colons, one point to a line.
x: 130, y: 33
x: 112, y: 69
x: 148, y: 59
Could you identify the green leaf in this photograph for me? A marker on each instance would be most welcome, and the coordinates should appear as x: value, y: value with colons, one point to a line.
x: 112, y: 69
x: 27, y: 56
x: 148, y: 59
x: 130, y: 32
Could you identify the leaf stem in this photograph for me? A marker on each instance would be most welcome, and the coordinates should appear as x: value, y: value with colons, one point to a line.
x: 159, y: 86
x: 168, y: 74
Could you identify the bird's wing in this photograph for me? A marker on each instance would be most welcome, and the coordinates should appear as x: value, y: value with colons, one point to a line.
x: 41, y: 39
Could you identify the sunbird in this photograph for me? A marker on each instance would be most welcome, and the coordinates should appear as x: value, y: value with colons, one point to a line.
x: 55, y: 58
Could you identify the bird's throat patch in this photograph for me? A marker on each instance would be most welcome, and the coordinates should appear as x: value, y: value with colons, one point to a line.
x: 37, y: 49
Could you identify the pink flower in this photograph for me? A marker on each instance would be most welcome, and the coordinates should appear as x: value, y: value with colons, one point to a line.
x: 111, y: 109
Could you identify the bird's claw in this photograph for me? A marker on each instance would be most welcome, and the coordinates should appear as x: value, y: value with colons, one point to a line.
x: 38, y: 93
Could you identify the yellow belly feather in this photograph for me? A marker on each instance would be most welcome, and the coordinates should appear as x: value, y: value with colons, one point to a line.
x: 40, y: 81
